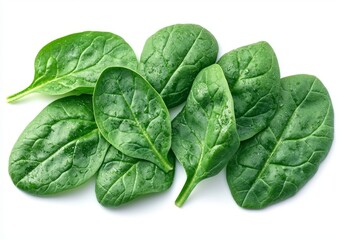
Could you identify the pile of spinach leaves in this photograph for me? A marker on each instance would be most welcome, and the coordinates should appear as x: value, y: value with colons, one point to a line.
x: 270, y: 133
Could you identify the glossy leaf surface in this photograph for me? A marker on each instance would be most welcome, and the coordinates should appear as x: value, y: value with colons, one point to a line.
x: 132, y: 116
x: 73, y: 63
x: 204, y: 133
x: 173, y: 56
x: 122, y: 178
x: 253, y: 76
x: 278, y: 161
x: 60, y: 149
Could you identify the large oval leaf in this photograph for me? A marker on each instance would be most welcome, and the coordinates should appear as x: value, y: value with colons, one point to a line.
x: 204, y: 133
x: 122, y: 178
x: 253, y: 76
x: 74, y: 63
x: 173, y: 56
x: 132, y: 116
x: 277, y: 162
x: 60, y: 149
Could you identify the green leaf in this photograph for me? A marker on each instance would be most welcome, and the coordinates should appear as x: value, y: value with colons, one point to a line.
x: 73, y: 63
x: 132, y: 116
x: 204, y: 133
x: 60, y: 149
x: 173, y: 56
x: 122, y: 178
x: 278, y: 161
x: 253, y: 76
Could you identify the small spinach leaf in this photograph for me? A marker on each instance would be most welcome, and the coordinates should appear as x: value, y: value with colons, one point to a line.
x: 253, y: 76
x: 122, y: 178
x: 60, y: 149
x: 74, y: 63
x: 278, y: 161
x: 204, y: 133
x: 132, y: 116
x: 173, y: 56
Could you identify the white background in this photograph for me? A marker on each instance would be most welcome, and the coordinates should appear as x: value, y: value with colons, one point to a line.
x: 308, y: 37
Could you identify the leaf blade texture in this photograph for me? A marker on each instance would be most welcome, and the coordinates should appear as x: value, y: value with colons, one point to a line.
x: 59, y: 150
x: 132, y: 116
x: 122, y: 179
x: 277, y: 162
x: 253, y: 75
x: 172, y: 58
x: 204, y: 132
x: 74, y: 62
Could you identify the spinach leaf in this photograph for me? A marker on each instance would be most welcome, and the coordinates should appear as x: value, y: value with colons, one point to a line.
x: 204, y: 133
x: 173, y: 56
x: 253, y: 76
x: 60, y: 149
x: 278, y: 161
x: 132, y: 116
x: 73, y: 63
x: 122, y: 178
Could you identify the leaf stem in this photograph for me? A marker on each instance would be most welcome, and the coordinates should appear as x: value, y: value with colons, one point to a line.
x: 186, y: 191
x: 18, y: 95
x: 166, y: 165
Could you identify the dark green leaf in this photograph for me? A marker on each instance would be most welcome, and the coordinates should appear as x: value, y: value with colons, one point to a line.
x: 60, y: 149
x: 132, y: 116
x: 122, y: 178
x: 204, y: 133
x: 278, y: 161
x: 73, y: 63
x: 173, y: 56
x: 253, y: 76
